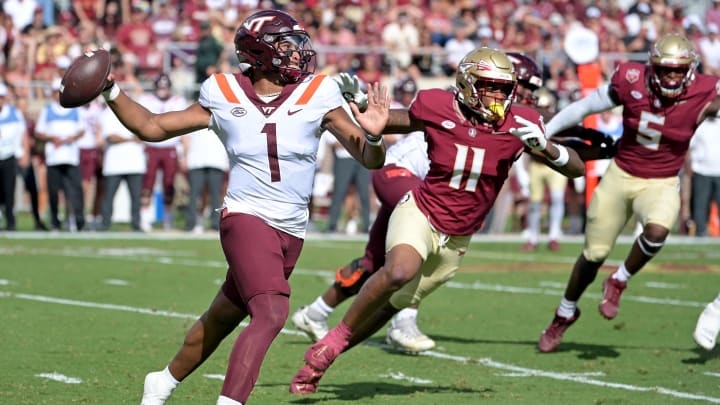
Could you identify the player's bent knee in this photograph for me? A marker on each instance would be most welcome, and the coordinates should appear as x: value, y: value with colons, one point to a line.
x: 648, y: 246
x: 596, y: 254
x: 273, y: 309
x: 398, y: 275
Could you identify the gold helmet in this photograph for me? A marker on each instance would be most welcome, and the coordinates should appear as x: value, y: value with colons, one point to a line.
x: 482, y: 71
x: 544, y: 98
x: 670, y: 53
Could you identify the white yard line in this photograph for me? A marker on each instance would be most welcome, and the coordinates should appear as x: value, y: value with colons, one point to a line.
x: 487, y: 362
x: 60, y: 378
x: 402, y: 377
x: 175, y: 261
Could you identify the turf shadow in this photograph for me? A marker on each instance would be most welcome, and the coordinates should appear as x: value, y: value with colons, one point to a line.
x: 701, y: 356
x: 364, y: 392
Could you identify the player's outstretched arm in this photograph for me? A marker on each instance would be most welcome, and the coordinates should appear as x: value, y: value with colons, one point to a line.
x: 364, y: 143
x: 149, y: 126
x: 560, y: 158
x: 374, y: 118
x: 600, y: 100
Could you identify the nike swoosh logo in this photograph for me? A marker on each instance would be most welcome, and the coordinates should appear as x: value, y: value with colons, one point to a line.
x: 294, y: 112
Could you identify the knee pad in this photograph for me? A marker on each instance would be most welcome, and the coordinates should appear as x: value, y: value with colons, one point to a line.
x: 351, y: 284
x: 649, y: 248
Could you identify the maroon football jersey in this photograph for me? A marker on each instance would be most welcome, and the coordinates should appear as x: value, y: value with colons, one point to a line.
x: 655, y: 136
x: 468, y: 164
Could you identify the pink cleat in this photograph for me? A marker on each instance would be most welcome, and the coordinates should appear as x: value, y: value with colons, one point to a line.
x: 306, y: 381
x: 610, y: 304
x: 318, y: 359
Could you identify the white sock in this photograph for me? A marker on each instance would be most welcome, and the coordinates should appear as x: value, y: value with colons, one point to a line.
x: 567, y: 308
x: 716, y: 303
x: 169, y: 377
x: 407, y: 313
x: 622, y: 274
x: 319, y: 310
x: 223, y: 400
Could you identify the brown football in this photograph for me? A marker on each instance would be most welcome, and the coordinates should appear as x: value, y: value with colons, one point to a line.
x: 85, y: 78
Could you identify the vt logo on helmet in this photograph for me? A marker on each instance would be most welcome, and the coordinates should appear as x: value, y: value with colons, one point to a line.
x: 273, y: 42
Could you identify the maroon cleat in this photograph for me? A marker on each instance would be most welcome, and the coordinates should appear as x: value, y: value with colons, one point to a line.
x: 554, y: 245
x: 610, y: 304
x: 552, y: 335
x: 529, y: 247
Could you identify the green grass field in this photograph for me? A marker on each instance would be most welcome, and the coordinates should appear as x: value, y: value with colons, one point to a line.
x: 85, y: 318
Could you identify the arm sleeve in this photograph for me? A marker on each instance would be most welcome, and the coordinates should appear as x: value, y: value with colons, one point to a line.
x: 573, y: 114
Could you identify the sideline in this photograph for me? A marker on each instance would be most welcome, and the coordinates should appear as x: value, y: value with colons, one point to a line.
x: 325, y: 237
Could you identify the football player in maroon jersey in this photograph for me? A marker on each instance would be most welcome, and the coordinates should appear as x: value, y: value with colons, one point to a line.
x: 406, y: 164
x: 663, y: 102
x: 473, y: 136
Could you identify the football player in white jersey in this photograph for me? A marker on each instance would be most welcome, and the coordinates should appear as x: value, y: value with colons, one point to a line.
x: 269, y: 118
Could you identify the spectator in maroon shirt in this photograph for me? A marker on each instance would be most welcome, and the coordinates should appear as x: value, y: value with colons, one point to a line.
x: 133, y: 39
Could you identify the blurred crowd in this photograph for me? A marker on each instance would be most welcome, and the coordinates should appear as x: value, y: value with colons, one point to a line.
x: 388, y: 40
x: 375, y: 38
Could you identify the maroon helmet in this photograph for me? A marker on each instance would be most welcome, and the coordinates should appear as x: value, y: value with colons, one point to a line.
x: 529, y: 77
x: 268, y: 40
x: 404, y: 86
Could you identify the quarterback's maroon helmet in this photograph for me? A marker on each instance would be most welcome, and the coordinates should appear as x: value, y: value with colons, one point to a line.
x: 268, y: 41
x: 527, y: 71
x: 529, y: 77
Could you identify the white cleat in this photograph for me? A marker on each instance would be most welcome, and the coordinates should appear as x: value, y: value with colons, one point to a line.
x: 708, y: 327
x: 156, y: 390
x: 405, y: 336
x: 315, y: 330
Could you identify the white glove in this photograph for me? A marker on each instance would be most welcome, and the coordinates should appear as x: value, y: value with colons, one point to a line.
x: 350, y: 89
x: 530, y: 133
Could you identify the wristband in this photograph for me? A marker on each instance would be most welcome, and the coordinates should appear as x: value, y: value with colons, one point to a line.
x: 373, y: 140
x: 112, y: 93
x: 563, y: 158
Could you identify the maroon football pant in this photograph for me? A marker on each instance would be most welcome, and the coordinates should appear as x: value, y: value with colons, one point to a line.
x: 260, y: 260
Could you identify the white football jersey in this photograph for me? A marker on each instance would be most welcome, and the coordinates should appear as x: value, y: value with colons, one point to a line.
x: 272, y: 147
x: 410, y: 152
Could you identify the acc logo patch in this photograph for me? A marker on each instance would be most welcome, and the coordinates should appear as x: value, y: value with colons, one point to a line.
x: 717, y: 87
x: 632, y: 75
x: 238, y: 112
x: 447, y: 124
x: 636, y: 95
x: 405, y: 198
